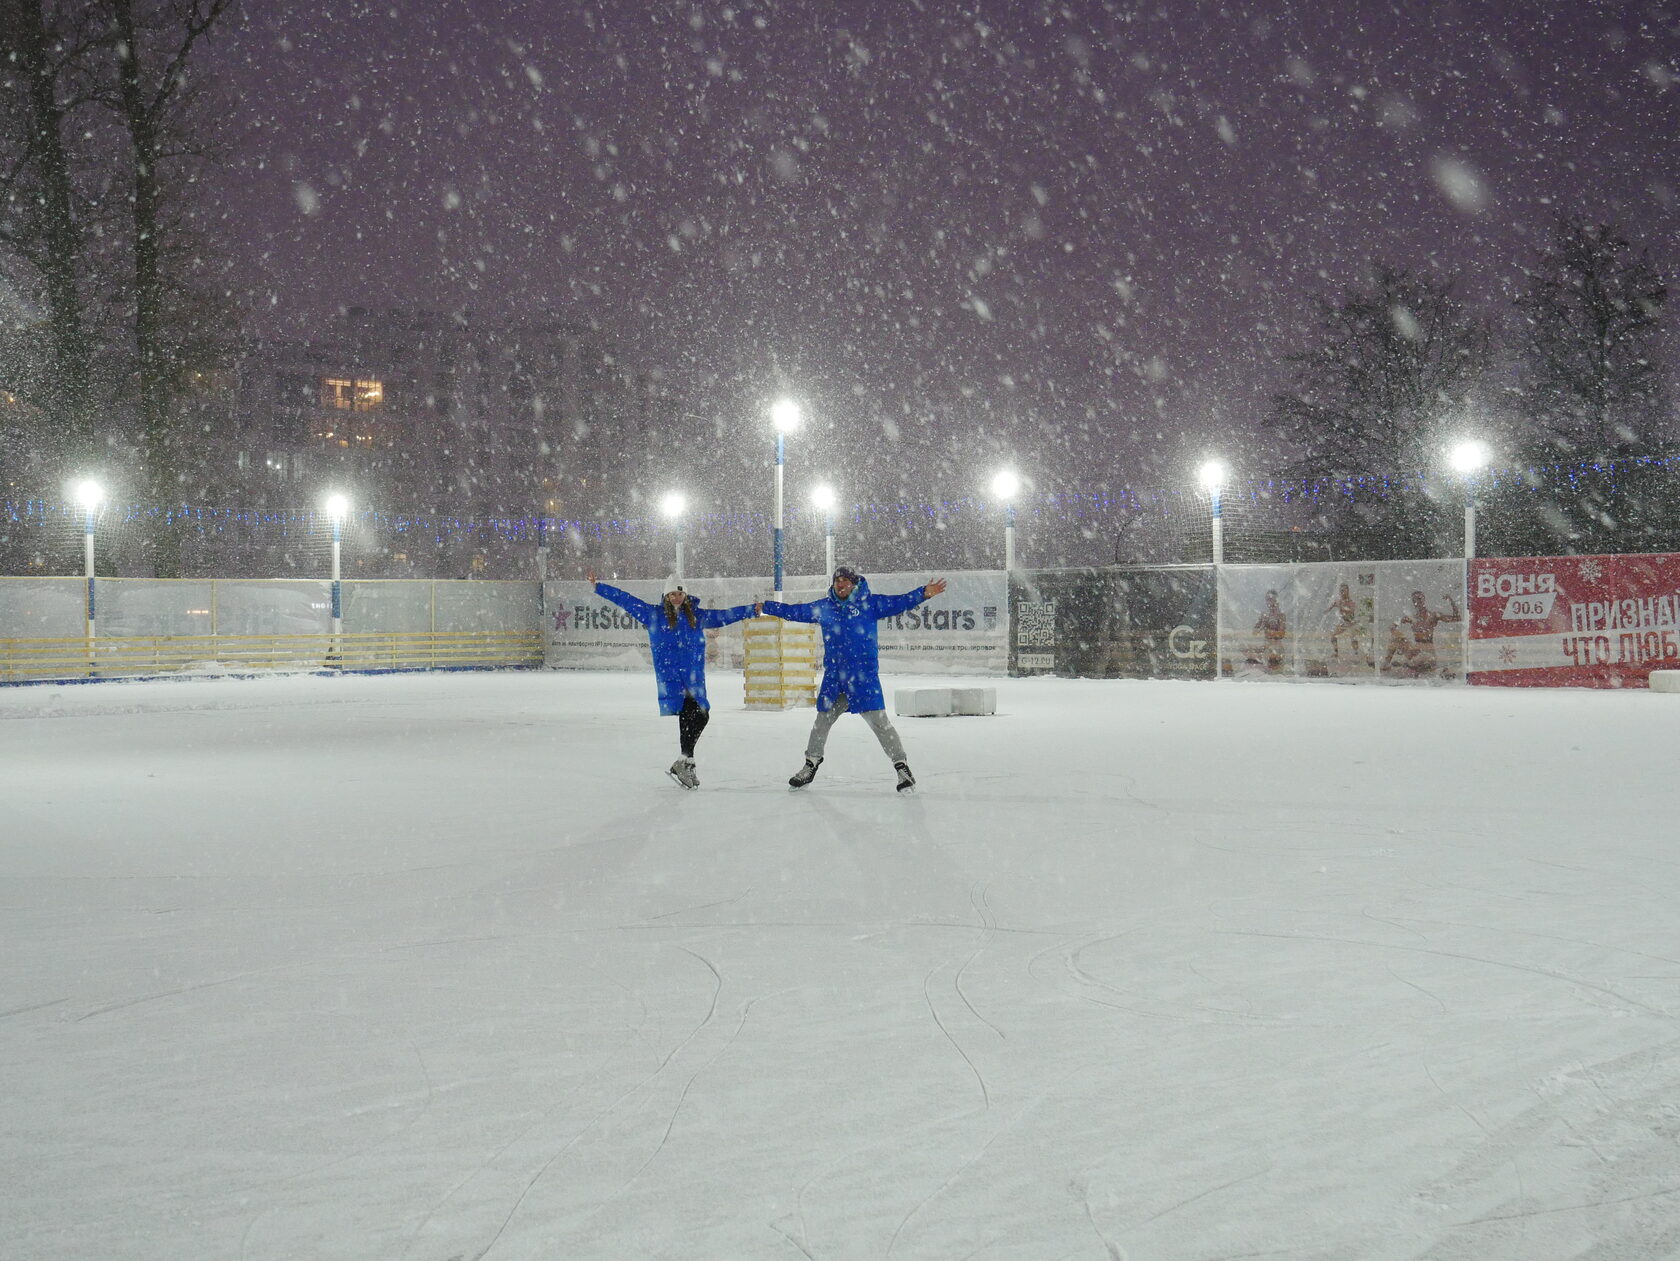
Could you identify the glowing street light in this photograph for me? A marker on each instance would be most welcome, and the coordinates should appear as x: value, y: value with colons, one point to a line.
x: 1467, y: 459
x: 785, y: 417
x: 672, y: 506
x: 1006, y: 485
x: 1213, y: 475
x: 337, y: 508
x: 89, y: 494
x: 823, y: 498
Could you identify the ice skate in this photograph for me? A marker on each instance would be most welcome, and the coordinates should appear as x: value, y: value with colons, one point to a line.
x: 905, y: 779
x: 805, y: 774
x: 682, y: 770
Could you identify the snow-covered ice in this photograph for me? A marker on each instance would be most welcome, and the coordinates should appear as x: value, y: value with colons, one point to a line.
x: 444, y: 967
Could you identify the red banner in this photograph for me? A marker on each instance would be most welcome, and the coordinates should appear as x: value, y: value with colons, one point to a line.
x: 1573, y: 621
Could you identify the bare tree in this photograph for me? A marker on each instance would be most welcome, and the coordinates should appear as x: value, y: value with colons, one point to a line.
x: 1371, y: 405
x: 1587, y: 342
x: 47, y: 56
x: 157, y: 102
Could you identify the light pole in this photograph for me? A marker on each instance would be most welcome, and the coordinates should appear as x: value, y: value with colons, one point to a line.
x: 90, y: 494
x: 673, y: 505
x: 823, y: 498
x: 784, y: 415
x: 1469, y: 458
x: 1006, y: 486
x: 1213, y: 476
x: 338, y: 507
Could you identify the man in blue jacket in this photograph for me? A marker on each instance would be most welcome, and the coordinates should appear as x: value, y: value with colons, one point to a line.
x: 851, y: 663
x: 677, y: 628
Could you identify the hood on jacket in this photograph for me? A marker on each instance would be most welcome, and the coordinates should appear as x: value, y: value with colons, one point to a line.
x: 862, y: 588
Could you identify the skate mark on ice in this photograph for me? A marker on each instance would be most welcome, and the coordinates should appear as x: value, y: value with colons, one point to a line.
x: 595, y: 1121
x: 958, y: 1172
x: 20, y: 1011
x: 1083, y: 1191
x: 984, y: 907
x: 393, y: 1136
x: 927, y: 993
x: 1564, y: 977
x: 671, y: 1121
x: 1433, y: 997
x: 704, y: 906
x: 803, y: 1250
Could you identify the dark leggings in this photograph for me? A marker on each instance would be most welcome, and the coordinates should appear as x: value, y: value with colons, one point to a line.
x: 690, y: 723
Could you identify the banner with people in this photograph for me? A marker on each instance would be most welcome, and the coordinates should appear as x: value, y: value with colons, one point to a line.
x: 1356, y: 621
x: 1574, y: 621
x: 1111, y: 623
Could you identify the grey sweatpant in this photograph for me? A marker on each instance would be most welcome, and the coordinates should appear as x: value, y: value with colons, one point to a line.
x: 878, y: 722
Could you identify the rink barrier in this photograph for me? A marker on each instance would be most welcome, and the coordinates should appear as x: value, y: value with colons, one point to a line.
x: 39, y: 660
x: 782, y: 661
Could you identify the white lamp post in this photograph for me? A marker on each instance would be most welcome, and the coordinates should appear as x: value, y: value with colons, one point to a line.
x: 89, y: 494
x: 785, y: 416
x: 673, y: 505
x: 338, y: 507
x: 1469, y: 458
x: 1213, y: 476
x: 1006, y: 486
x: 823, y: 498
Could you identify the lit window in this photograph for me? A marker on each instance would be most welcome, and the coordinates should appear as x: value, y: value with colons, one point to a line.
x: 346, y: 395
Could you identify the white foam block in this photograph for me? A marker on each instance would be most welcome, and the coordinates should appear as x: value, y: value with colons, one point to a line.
x: 974, y: 700
x: 922, y: 702
x: 1665, y: 680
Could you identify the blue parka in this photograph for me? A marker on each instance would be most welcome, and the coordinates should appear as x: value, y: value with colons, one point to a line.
x: 851, y: 652
x: 679, y: 652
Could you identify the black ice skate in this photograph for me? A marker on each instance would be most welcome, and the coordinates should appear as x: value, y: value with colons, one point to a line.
x: 682, y: 770
x: 905, y: 779
x: 805, y: 774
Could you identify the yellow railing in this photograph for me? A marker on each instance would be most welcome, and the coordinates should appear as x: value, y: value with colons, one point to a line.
x: 26, y: 660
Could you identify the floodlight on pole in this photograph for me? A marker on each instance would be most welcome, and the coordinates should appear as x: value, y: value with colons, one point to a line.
x: 1006, y: 485
x: 823, y: 498
x: 338, y: 508
x: 1467, y: 459
x: 1213, y: 475
x: 672, y: 506
x: 785, y: 416
x: 89, y: 494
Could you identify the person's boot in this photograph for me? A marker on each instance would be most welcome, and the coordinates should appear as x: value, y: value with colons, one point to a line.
x: 905, y: 778
x: 682, y: 770
x: 805, y: 774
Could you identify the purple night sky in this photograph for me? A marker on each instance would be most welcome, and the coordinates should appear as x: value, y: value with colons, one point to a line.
x: 1081, y: 234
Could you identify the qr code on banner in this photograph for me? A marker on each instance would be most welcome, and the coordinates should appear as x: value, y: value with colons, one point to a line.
x: 1035, y: 624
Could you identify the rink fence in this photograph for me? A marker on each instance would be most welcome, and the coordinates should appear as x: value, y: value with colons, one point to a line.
x: 1594, y: 621
x: 150, y: 626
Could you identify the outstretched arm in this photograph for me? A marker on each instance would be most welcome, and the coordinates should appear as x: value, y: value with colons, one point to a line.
x: 885, y: 606
x: 641, y: 610
x: 713, y: 618
x: 790, y: 612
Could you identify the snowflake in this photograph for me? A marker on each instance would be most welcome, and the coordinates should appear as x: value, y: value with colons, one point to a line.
x: 1591, y: 570
x: 1508, y: 655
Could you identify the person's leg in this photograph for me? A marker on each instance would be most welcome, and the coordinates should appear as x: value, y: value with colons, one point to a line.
x: 819, y: 730
x: 690, y: 723
x: 886, y: 733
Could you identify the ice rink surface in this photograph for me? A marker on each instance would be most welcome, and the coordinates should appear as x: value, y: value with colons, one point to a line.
x: 444, y: 967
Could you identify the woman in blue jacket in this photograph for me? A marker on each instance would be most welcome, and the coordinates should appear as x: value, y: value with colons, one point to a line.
x: 852, y: 664
x: 677, y: 628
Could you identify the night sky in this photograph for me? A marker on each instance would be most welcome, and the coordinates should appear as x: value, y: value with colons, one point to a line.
x: 1076, y: 234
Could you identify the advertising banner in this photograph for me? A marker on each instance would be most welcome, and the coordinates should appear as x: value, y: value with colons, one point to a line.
x: 1574, y: 621
x: 1356, y: 621
x: 1108, y: 624
x: 1421, y: 620
x: 963, y: 630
